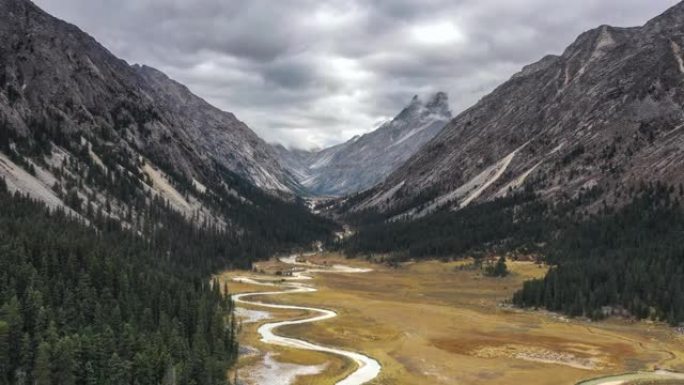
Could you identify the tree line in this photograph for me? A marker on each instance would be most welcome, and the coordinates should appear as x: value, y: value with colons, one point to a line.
x: 626, y: 260
x: 619, y: 258
x: 87, y: 305
x: 501, y: 225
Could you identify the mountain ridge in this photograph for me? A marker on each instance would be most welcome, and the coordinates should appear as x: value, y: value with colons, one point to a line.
x: 63, y: 95
x: 84, y: 132
x: 601, y: 114
x: 365, y: 160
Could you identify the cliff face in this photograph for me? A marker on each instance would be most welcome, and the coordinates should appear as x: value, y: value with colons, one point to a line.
x: 607, y: 113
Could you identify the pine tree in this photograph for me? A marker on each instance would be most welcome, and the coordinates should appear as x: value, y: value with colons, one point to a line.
x: 41, y: 369
x: 5, y: 367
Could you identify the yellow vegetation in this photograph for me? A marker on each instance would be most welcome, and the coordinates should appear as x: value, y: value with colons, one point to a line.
x: 434, y: 323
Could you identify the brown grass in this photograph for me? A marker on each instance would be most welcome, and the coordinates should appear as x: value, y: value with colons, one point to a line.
x: 431, y: 323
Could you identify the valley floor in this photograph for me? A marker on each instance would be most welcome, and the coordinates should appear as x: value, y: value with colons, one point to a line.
x: 433, y: 323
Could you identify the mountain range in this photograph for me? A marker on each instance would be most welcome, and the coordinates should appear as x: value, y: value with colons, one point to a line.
x: 604, y: 116
x: 364, y: 161
x: 79, y: 122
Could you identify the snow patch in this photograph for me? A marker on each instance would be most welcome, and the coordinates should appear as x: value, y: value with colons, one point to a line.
x: 93, y: 67
x: 266, y: 180
x: 590, y: 184
x: 324, y: 160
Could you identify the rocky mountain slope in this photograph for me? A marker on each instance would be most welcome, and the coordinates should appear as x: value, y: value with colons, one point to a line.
x: 219, y: 135
x: 79, y: 125
x: 366, y: 160
x: 603, y: 116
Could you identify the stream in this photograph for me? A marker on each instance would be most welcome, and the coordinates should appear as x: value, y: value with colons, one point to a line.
x: 367, y: 367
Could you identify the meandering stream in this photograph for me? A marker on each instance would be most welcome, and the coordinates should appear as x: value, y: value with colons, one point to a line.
x: 367, y: 367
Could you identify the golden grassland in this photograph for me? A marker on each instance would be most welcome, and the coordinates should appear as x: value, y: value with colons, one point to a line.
x: 433, y: 323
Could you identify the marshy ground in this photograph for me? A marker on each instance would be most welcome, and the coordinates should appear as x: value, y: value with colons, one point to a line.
x: 434, y: 323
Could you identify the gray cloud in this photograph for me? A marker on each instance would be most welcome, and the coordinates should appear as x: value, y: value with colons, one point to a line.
x: 311, y: 73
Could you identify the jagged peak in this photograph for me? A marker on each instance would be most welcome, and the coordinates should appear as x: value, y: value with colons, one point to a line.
x: 415, y: 102
x: 439, y: 102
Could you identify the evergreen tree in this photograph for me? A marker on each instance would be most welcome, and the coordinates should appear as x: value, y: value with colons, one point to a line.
x: 499, y: 269
x: 41, y: 369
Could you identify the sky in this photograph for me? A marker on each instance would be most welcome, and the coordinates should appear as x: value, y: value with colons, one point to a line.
x: 313, y: 73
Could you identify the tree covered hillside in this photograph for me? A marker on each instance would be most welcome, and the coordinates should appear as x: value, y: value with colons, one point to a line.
x: 102, y: 305
x: 631, y: 259
x: 607, y: 259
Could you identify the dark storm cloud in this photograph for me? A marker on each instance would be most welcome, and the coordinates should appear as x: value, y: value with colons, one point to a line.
x: 312, y: 72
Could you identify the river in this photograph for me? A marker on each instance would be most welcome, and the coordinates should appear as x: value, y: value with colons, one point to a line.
x: 367, y: 367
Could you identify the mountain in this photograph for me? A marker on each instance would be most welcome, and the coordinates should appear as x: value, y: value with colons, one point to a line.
x: 121, y: 196
x: 604, y: 116
x: 78, y: 124
x: 364, y: 161
x: 219, y: 135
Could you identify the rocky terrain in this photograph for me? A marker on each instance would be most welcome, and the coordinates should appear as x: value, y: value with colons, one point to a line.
x: 77, y: 123
x: 364, y: 161
x: 604, y: 115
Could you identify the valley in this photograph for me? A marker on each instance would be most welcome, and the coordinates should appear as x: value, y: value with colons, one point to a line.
x: 436, y: 323
x: 149, y: 236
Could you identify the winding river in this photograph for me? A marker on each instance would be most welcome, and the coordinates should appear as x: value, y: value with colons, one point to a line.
x: 367, y: 367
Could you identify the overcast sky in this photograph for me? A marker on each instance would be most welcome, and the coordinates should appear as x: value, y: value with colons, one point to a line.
x: 310, y: 73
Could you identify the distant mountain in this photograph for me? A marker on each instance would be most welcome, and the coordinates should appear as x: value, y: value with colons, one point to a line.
x: 366, y: 160
x: 78, y: 124
x: 603, y: 116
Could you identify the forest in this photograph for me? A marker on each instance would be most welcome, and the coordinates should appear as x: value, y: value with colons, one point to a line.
x: 85, y: 305
x: 621, y: 261
x: 273, y: 223
x: 120, y: 292
x: 613, y: 259
x: 501, y: 225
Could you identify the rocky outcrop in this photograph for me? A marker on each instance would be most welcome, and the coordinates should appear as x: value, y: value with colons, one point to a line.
x: 219, y: 135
